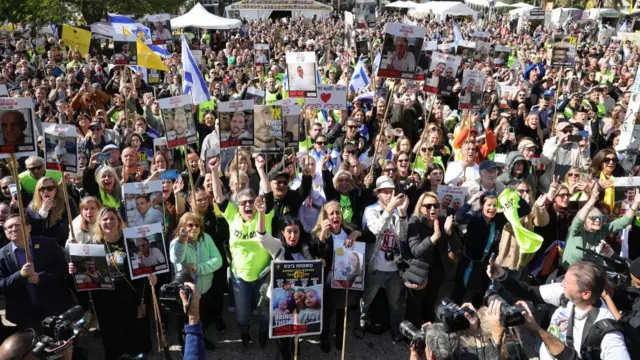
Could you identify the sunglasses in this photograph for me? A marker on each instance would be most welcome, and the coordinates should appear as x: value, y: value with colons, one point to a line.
x: 34, y: 168
x: 522, y: 191
x: 389, y: 170
x: 197, y: 226
x: 47, y: 188
x: 424, y: 149
x: 403, y: 160
x: 573, y: 175
x: 596, y: 218
x: 352, y: 126
x: 430, y: 206
x: 95, y: 128
x: 246, y: 202
x: 563, y: 195
x: 321, y: 143
x: 610, y: 160
x: 280, y: 182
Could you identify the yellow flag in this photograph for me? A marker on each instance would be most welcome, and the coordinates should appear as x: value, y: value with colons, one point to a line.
x: 146, y: 57
x: 631, y: 6
x: 76, y: 38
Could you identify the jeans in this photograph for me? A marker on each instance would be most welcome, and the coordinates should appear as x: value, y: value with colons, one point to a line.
x: 392, y: 282
x: 243, y: 292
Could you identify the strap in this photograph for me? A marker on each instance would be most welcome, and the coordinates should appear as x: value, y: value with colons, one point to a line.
x: 591, y: 318
x: 595, y: 335
x: 487, y: 248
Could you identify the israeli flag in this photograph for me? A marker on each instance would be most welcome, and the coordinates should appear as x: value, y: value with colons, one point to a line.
x: 192, y: 81
x: 359, y: 79
x: 285, y: 81
x: 54, y: 30
x: 160, y: 50
x: 318, y: 77
x: 118, y: 22
x: 457, y: 35
x: 376, y: 62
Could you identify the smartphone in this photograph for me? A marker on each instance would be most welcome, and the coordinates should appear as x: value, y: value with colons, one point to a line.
x: 511, y: 130
x: 103, y: 157
x: 575, y: 138
x: 169, y: 175
x: 438, y: 149
x: 13, y: 189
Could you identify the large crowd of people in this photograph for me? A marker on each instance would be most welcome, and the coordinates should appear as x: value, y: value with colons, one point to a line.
x: 369, y: 174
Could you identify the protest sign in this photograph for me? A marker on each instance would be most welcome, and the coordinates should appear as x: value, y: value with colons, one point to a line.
x: 362, y: 48
x: 563, y: 50
x: 146, y: 251
x: 92, y: 269
x: 466, y: 50
x: 330, y: 97
x: 268, y: 129
x: 179, y: 126
x: 16, y: 125
x: 506, y: 94
x: 255, y: 94
x: 236, y: 123
x: 76, y: 38
x: 348, y: 266
x: 428, y: 47
x: 261, y: 54
x: 501, y: 55
x: 143, y: 202
x: 296, y: 298
x: 451, y: 197
x: 160, y: 26
x: 301, y: 70
x: 483, y: 51
x: 471, y: 92
x: 291, y: 113
x: 441, y: 76
x: 401, y: 49
x: 160, y: 146
x: 365, y: 14
x: 60, y: 147
x: 125, y: 49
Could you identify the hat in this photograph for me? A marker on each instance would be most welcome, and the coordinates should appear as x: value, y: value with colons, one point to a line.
x: 109, y: 147
x: 94, y: 123
x: 310, y: 42
x: 562, y: 125
x: 275, y: 174
x: 487, y: 165
x: 384, y: 182
x: 549, y: 93
x: 526, y: 143
x: 634, y: 268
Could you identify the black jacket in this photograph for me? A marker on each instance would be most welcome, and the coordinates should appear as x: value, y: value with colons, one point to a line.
x: 359, y: 198
x: 290, y: 204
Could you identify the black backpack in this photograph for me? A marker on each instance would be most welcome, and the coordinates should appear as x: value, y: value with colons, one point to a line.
x: 590, y: 349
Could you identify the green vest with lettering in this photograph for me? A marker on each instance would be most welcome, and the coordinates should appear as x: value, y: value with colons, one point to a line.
x: 28, y: 183
x: 204, y: 107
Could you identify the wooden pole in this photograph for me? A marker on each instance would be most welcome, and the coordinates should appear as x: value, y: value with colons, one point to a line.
x: 25, y: 233
x: 66, y: 202
x: 295, y: 348
x: 344, y: 323
x: 555, y: 107
x: 158, y: 318
x: 381, y: 130
x: 191, y: 183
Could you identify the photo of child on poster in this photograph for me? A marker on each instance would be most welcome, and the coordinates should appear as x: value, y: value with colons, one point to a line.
x: 296, y: 298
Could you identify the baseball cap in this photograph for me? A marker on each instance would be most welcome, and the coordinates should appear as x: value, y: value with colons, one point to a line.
x: 109, y: 147
x: 384, y: 182
x: 526, y: 143
x: 274, y: 175
x: 562, y: 125
x: 94, y: 124
x: 487, y: 165
x: 549, y: 93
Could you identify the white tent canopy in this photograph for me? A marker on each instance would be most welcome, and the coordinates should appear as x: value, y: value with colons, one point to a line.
x: 486, y: 3
x: 595, y: 14
x: 402, y: 5
x: 443, y: 8
x: 199, y: 17
x: 516, y: 5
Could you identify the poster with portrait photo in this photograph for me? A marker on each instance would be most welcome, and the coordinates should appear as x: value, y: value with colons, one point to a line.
x: 92, y: 268
x: 60, y: 147
x: 301, y: 69
x: 472, y: 86
x: 146, y: 251
x: 291, y: 112
x: 563, y: 50
x: 179, y: 126
x: 160, y: 145
x: 348, y: 266
x: 154, y: 77
x: 255, y: 94
x: 125, y: 49
x: 400, y: 51
x: 428, y: 47
x: 362, y: 48
x: 483, y: 51
x: 447, y: 48
x: 366, y: 14
x: 501, y: 55
x: 466, y: 50
x: 16, y: 125
x: 143, y: 202
x: 451, y: 198
x: 160, y: 26
x: 441, y: 76
x: 268, y: 134
x: 261, y: 54
x: 295, y: 307
x: 506, y: 94
x: 236, y: 123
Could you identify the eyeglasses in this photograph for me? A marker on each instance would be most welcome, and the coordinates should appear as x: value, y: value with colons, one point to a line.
x: 403, y: 160
x: 352, y: 126
x: 523, y: 191
x: 609, y: 160
x: 573, y: 175
x: 37, y: 167
x: 47, y: 188
x: 389, y: 170
x: 95, y: 128
x: 563, y: 195
x: 567, y: 131
x: 247, y: 202
x: 321, y: 143
x: 430, y: 206
x: 596, y: 218
x: 197, y: 226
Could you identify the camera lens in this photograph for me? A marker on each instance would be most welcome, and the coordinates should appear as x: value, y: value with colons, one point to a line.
x: 411, y: 332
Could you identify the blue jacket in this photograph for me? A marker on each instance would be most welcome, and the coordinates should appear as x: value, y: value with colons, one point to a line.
x: 194, y: 342
x: 52, y: 294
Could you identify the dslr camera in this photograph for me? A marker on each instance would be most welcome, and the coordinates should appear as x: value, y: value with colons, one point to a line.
x: 170, y: 293
x: 452, y: 315
x: 417, y: 337
x: 510, y: 315
x: 59, y: 333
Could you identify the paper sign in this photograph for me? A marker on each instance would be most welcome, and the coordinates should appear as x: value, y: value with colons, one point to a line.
x: 330, y: 97
x: 76, y: 38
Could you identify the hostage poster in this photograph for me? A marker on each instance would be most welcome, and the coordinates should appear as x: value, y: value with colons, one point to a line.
x: 348, y: 266
x: 296, y: 298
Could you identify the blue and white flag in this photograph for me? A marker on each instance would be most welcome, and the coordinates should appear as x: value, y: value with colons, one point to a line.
x: 457, y: 35
x: 192, y: 81
x: 318, y: 77
x: 54, y: 31
x: 160, y: 50
x: 118, y: 22
x: 359, y: 79
x: 376, y: 62
x: 285, y: 81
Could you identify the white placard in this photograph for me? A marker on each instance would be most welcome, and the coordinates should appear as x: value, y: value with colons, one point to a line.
x: 330, y: 97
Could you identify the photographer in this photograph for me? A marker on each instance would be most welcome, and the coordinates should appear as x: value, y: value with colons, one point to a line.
x: 439, y: 345
x: 579, y: 307
x: 623, y: 298
x: 194, y: 336
x: 19, y: 346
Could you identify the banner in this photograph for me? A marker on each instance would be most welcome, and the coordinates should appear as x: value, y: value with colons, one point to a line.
x: 348, y: 266
x: 236, y: 123
x: 296, y: 298
x: 60, y: 147
x: 179, y: 127
x: 330, y: 97
x: 146, y: 251
x: 76, y: 38
x: 400, y: 50
x: 528, y: 241
x: 16, y: 125
x: 92, y: 269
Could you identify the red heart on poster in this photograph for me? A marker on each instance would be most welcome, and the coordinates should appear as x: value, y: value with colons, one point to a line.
x: 325, y: 97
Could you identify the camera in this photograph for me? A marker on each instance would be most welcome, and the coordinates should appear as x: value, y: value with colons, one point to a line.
x: 510, y: 315
x: 416, y: 336
x: 171, y: 292
x: 58, y: 333
x: 452, y: 315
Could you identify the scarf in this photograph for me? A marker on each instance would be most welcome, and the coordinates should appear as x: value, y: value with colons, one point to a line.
x: 290, y: 250
x: 609, y: 192
x: 108, y: 200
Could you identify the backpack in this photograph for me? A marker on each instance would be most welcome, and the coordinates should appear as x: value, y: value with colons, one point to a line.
x: 590, y: 349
